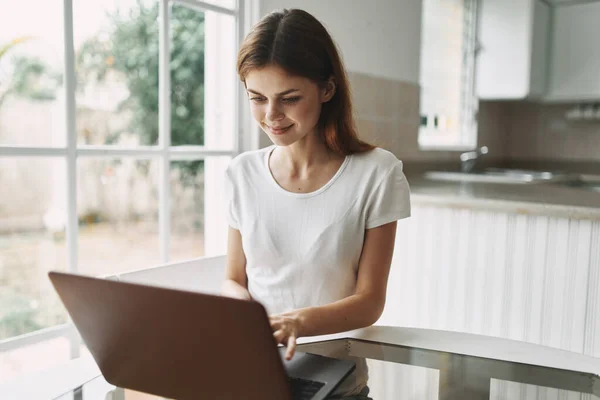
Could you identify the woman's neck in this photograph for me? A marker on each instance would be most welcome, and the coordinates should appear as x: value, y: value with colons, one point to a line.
x: 302, y: 157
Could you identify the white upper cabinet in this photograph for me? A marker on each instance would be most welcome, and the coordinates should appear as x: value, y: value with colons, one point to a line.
x: 575, y: 54
x: 513, y: 56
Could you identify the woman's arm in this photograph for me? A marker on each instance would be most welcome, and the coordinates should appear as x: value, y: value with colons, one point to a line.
x: 361, y: 309
x: 236, y: 281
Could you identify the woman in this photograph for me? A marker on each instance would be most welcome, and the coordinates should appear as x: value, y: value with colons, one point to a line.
x: 313, y: 217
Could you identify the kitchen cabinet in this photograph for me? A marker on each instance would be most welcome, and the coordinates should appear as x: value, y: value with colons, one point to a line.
x: 513, y: 49
x: 575, y: 54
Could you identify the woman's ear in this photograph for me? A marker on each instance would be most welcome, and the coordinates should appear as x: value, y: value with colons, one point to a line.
x: 328, y: 90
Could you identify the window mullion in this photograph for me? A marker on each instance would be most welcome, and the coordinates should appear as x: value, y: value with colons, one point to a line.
x: 239, y: 37
x: 23, y: 151
x: 247, y: 134
x: 164, y: 131
x: 470, y: 100
x: 70, y: 110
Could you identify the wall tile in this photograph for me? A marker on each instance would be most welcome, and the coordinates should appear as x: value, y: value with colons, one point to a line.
x: 388, y: 116
x: 541, y: 131
x: 513, y: 130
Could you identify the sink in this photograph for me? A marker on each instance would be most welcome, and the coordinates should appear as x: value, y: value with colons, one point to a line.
x: 474, y: 177
x: 498, y: 175
x: 585, y: 182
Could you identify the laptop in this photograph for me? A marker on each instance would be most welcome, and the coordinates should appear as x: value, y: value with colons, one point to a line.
x: 187, y: 345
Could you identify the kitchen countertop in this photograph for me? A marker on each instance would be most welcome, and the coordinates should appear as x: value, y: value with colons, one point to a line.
x: 546, y: 199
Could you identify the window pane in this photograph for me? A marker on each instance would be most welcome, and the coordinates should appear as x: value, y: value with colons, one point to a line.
x: 31, y: 74
x: 447, y: 100
x: 32, y: 242
x: 32, y: 358
x: 203, y: 78
x: 117, y: 207
x: 116, y: 46
x: 441, y: 67
x: 198, y: 220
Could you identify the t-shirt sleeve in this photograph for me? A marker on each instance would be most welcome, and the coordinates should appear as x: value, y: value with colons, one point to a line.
x: 231, y: 203
x: 390, y: 201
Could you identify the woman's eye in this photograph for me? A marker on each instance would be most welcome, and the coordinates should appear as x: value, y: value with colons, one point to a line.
x: 290, y: 100
x: 257, y: 99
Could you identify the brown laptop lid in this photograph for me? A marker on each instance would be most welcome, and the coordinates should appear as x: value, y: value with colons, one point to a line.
x: 176, y: 344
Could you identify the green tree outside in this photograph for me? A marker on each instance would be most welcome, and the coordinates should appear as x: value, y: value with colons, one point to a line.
x: 131, y: 49
x: 31, y: 77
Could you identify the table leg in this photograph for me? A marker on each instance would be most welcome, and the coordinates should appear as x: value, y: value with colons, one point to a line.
x: 459, y: 382
x: 117, y: 394
x: 78, y: 393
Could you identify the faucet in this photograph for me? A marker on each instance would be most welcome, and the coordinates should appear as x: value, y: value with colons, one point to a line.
x: 469, y: 158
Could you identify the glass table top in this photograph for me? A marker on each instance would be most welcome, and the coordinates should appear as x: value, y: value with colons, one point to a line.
x: 400, y: 372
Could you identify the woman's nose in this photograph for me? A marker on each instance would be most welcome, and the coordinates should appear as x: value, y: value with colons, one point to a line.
x: 273, y: 113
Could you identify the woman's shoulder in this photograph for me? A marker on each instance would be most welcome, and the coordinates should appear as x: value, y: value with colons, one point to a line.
x: 377, y: 160
x: 249, y: 161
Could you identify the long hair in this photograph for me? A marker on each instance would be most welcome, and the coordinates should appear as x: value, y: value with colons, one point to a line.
x: 297, y: 42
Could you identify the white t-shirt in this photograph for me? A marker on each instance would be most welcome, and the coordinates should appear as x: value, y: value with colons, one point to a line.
x: 302, y: 249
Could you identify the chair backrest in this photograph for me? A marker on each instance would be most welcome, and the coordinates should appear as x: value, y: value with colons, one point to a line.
x: 201, y: 275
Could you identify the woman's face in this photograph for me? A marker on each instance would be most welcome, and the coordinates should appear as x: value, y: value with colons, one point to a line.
x: 286, y: 107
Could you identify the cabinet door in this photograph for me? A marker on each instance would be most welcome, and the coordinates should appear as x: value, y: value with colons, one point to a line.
x: 575, y: 58
x: 511, y: 63
x: 540, y: 39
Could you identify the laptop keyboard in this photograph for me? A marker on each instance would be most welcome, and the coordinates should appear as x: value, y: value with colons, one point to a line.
x: 303, y: 389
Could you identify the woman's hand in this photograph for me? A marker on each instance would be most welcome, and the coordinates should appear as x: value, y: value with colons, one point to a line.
x: 286, y: 328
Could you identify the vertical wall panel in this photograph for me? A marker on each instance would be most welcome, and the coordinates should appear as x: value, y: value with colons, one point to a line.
x: 517, y: 270
x: 537, y: 259
x: 522, y: 277
x: 592, y: 318
x: 555, y: 275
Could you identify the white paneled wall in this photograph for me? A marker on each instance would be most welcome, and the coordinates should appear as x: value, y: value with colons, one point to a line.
x: 516, y: 276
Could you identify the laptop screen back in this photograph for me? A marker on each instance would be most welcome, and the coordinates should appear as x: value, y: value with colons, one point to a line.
x: 173, y: 343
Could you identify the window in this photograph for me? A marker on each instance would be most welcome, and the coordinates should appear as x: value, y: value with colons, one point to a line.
x: 113, y: 144
x: 448, y: 102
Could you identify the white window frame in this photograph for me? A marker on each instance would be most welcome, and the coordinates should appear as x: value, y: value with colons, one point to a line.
x: 467, y: 138
x: 246, y: 14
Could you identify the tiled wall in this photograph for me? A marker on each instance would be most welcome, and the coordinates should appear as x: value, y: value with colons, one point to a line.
x: 540, y: 132
x: 387, y: 113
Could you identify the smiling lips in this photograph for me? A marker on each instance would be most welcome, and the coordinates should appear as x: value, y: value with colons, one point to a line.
x: 278, y: 130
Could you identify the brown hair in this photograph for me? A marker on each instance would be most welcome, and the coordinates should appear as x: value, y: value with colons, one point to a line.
x: 297, y: 42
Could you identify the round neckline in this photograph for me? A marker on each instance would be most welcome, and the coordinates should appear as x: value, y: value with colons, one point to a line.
x: 300, y: 195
